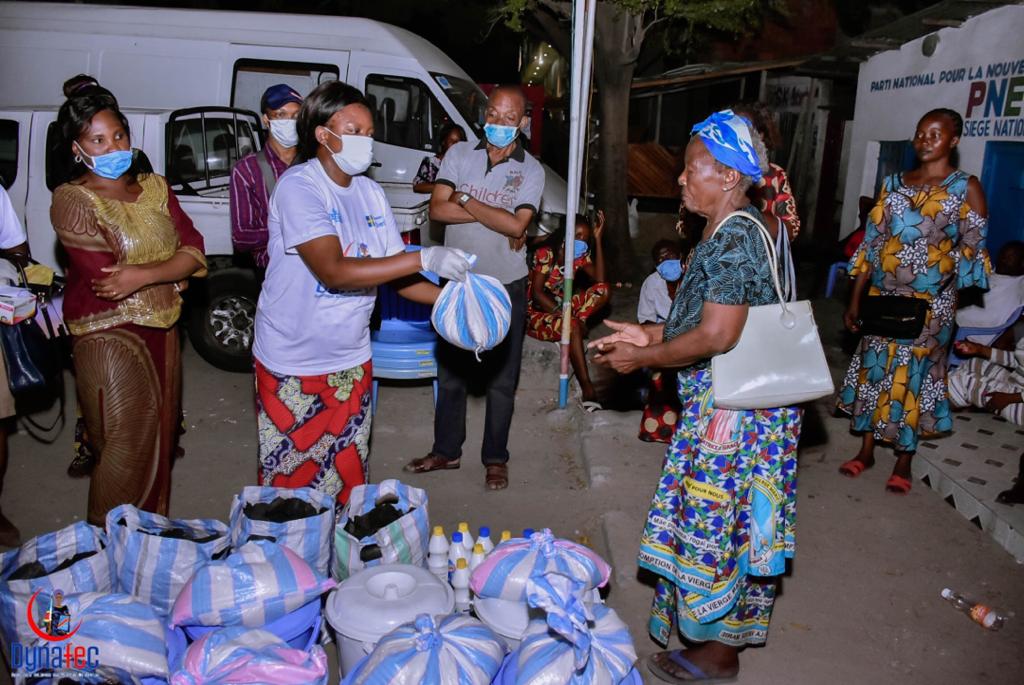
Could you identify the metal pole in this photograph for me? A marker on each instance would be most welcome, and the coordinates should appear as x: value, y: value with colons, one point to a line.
x: 582, y: 54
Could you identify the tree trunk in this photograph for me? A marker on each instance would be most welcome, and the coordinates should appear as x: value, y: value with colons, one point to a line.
x: 613, y: 71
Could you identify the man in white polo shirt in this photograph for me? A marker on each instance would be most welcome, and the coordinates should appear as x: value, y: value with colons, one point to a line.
x: 487, y: 194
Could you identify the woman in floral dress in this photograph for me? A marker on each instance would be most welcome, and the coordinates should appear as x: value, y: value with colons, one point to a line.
x: 721, y: 523
x: 925, y: 238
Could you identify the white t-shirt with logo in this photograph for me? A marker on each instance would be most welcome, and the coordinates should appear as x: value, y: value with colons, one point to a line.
x: 11, y: 232
x: 302, y: 327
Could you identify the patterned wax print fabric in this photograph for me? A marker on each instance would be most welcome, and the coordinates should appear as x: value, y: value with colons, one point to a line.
x: 661, y: 410
x: 925, y: 242
x: 723, y: 519
x: 428, y: 170
x: 775, y: 196
x: 546, y: 326
x: 314, y: 431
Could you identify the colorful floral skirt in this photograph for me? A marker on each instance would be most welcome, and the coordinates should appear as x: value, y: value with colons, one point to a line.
x: 723, y: 519
x: 548, y: 327
x: 661, y: 411
x: 314, y: 431
x: 897, y: 388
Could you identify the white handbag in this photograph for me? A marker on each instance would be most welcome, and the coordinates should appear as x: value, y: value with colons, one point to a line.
x: 779, y: 360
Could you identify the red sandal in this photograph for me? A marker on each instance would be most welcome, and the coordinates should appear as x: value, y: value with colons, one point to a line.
x: 853, y: 468
x: 897, y: 485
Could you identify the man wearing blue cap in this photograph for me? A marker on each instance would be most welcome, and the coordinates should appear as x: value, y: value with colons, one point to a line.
x: 254, y: 176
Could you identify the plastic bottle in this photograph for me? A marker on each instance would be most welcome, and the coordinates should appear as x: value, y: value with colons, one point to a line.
x: 437, y: 553
x: 460, y: 583
x: 456, y: 551
x: 477, y: 557
x: 484, y: 539
x: 527, y: 532
x: 464, y: 529
x: 982, y: 614
x: 506, y: 535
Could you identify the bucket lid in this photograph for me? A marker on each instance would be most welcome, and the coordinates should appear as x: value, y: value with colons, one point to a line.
x: 373, y: 602
x: 506, y: 617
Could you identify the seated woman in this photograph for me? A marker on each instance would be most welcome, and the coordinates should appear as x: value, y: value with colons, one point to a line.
x: 661, y: 410
x: 547, y: 284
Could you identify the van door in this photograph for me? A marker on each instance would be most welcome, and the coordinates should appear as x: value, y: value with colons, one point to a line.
x: 14, y: 139
x: 202, y: 144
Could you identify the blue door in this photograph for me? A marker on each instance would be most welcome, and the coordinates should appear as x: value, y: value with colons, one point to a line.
x: 1003, y: 179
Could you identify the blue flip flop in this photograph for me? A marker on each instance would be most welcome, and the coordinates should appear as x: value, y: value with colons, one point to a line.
x: 696, y: 675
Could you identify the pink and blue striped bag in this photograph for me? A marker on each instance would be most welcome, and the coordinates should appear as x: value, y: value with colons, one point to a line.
x: 448, y: 650
x: 152, y: 567
x: 260, y: 582
x: 92, y: 572
x: 308, y: 537
x: 249, y: 656
x: 506, y: 570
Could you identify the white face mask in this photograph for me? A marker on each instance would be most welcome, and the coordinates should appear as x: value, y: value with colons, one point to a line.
x: 356, y: 153
x: 284, y: 132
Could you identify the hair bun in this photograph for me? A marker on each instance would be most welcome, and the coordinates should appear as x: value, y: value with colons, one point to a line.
x: 80, y: 85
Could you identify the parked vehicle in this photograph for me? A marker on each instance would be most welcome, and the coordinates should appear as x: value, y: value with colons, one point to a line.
x: 190, y: 83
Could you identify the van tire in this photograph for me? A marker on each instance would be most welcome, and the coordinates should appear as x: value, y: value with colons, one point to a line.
x: 220, y: 323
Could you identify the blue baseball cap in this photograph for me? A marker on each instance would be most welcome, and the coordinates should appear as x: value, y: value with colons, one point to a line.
x: 278, y: 96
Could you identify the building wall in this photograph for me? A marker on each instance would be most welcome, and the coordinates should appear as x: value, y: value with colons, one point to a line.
x: 976, y: 69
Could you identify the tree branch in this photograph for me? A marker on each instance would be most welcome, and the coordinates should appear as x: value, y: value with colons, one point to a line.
x: 561, y: 9
x: 547, y: 25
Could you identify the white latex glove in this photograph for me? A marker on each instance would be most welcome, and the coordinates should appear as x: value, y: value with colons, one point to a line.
x: 446, y: 262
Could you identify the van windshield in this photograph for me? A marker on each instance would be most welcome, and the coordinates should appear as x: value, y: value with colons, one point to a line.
x: 467, y: 98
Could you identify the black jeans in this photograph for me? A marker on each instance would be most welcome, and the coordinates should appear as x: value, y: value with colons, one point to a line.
x: 498, y: 372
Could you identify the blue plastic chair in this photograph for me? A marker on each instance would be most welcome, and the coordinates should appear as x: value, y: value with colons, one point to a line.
x: 833, y: 276
x: 993, y: 331
x: 405, y: 346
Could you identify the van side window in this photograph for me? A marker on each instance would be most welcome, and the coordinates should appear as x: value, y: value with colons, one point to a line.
x: 8, y: 152
x: 405, y: 112
x: 58, y: 165
x: 253, y: 76
x: 203, y: 144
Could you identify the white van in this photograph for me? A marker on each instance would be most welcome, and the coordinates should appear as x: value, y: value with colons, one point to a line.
x: 190, y: 83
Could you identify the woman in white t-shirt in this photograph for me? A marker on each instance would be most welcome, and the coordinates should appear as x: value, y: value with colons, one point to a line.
x: 333, y: 239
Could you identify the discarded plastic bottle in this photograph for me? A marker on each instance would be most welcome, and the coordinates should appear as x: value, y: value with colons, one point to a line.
x: 437, y: 553
x: 484, y: 539
x: 982, y: 614
x: 460, y: 583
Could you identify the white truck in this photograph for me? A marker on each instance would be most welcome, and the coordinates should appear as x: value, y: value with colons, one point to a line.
x: 190, y: 82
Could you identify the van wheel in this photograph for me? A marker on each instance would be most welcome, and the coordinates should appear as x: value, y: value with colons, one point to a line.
x: 221, y: 324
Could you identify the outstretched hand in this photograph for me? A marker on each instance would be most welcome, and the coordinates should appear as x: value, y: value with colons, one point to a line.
x: 621, y: 356
x: 632, y: 333
x: 598, y: 225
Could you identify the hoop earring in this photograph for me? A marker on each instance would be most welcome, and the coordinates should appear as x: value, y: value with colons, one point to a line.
x: 78, y: 159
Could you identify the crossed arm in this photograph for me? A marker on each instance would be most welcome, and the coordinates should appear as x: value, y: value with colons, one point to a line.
x: 444, y: 209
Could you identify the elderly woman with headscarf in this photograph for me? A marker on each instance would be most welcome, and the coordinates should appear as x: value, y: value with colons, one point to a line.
x: 720, y: 527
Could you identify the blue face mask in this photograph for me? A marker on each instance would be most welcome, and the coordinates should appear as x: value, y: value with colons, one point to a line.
x: 580, y: 248
x: 500, y: 136
x: 111, y: 165
x: 671, y: 270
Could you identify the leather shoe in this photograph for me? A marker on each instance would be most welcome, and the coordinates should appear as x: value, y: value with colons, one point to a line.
x: 432, y: 462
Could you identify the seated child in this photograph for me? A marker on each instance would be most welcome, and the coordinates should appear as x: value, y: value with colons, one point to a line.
x: 547, y: 284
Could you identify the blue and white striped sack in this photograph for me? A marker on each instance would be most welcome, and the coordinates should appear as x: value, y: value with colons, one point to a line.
x: 230, y: 656
x: 308, y: 537
x: 128, y: 635
x: 260, y: 582
x: 401, y: 542
x: 574, y: 644
x: 92, y: 573
x: 475, y: 314
x: 507, y: 569
x: 155, y: 568
x: 451, y: 650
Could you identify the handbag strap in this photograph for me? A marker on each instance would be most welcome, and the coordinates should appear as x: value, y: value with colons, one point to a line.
x: 769, y: 248
x: 785, y: 251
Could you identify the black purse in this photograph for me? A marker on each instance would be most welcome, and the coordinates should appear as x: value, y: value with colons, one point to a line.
x: 893, y: 316
x: 34, y: 357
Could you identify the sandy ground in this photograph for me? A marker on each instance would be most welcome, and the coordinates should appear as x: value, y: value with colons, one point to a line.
x: 860, y: 605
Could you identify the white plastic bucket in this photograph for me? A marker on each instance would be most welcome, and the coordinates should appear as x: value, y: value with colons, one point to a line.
x: 373, y: 602
x: 510, y: 619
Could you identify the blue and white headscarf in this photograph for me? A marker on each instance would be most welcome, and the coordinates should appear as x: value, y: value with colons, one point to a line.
x: 727, y: 137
